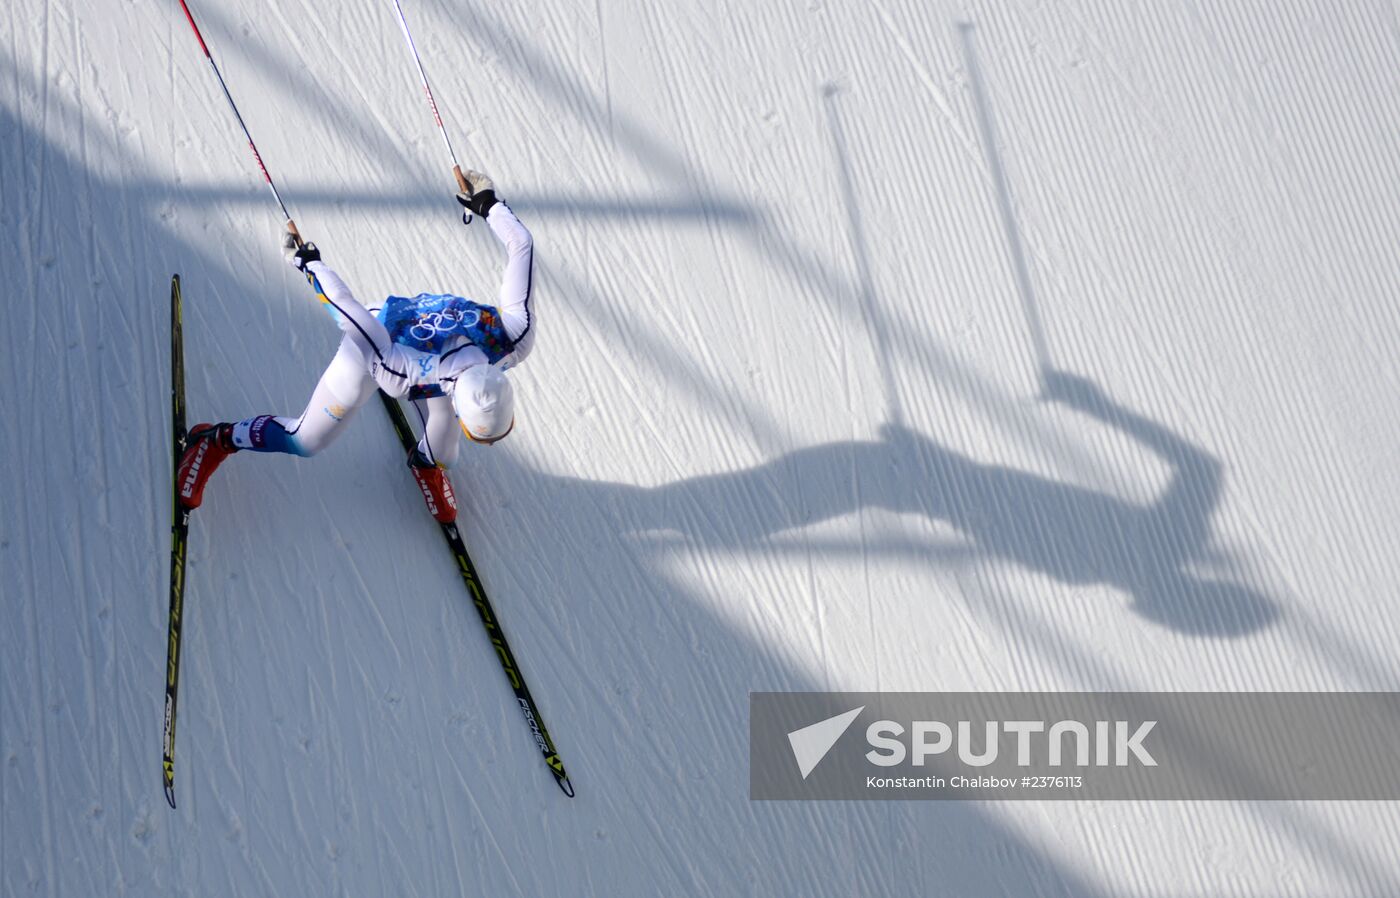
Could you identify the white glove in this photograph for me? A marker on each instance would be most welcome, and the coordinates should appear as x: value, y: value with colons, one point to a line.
x: 299, y: 255
x: 482, y: 195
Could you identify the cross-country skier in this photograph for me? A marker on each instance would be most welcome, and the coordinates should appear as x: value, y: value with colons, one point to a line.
x: 447, y: 354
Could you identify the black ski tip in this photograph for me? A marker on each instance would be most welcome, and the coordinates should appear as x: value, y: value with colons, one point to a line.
x: 563, y: 782
x: 170, y: 794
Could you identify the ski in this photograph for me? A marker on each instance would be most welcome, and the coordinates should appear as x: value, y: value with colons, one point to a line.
x: 465, y: 567
x: 179, y: 530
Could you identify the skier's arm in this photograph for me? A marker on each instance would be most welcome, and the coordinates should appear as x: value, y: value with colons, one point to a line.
x: 350, y: 315
x: 516, y: 283
x: 514, y: 298
x: 1082, y: 394
x: 332, y: 285
x: 1196, y: 474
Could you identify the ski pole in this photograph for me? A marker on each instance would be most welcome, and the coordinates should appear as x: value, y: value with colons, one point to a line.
x: 291, y: 225
x: 432, y: 104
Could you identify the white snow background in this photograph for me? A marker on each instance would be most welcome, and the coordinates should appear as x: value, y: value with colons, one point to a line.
x: 798, y: 267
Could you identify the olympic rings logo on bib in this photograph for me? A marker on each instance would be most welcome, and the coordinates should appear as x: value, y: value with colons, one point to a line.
x: 447, y: 321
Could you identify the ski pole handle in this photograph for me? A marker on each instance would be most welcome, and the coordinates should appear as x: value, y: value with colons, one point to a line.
x: 463, y: 186
x: 296, y: 235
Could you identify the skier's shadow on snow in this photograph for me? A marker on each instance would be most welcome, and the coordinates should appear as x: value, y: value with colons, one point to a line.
x: 1071, y: 533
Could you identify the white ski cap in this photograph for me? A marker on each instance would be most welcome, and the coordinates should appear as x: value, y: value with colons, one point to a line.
x: 485, y: 403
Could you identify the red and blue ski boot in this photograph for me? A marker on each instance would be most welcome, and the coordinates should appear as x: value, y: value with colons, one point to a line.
x: 206, y: 448
x: 436, y: 488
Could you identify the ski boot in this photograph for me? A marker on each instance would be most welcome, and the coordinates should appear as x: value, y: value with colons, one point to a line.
x: 436, y: 488
x: 205, y: 449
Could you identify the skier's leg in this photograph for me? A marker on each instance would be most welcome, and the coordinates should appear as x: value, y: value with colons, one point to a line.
x: 343, y: 388
x: 434, y: 452
x: 438, y: 422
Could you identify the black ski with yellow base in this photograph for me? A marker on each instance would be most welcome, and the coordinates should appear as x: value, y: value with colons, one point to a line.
x: 488, y: 618
x: 179, y: 531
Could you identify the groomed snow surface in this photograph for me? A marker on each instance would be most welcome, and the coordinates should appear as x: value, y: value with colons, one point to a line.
x: 799, y: 266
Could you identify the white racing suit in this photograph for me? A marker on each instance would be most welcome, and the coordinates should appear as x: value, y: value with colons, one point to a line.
x: 369, y: 358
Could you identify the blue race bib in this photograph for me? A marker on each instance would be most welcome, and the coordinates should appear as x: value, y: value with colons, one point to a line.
x: 429, y: 320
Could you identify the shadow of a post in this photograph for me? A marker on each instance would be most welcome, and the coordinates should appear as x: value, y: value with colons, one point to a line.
x: 1073, y: 534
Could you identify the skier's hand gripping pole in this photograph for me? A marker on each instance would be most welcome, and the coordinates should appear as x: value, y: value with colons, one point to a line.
x: 298, y: 253
x: 478, y: 194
